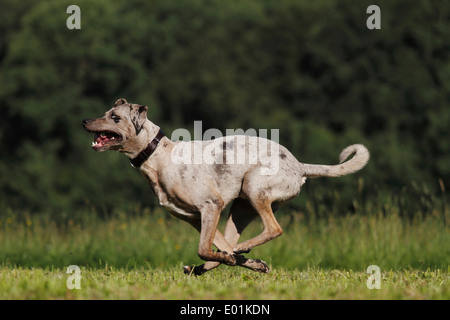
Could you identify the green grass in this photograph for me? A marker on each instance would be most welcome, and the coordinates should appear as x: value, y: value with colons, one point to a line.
x: 223, y: 283
x: 141, y: 257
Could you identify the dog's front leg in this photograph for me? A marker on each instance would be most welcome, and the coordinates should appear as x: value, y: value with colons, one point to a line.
x: 241, y: 214
x: 209, y: 219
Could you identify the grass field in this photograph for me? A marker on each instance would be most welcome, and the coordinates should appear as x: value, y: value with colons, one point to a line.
x: 223, y: 283
x: 141, y: 257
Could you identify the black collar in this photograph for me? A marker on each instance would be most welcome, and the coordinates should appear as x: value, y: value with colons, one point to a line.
x: 148, y: 151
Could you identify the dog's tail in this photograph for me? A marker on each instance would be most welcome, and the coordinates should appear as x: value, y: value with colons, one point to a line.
x: 359, y: 160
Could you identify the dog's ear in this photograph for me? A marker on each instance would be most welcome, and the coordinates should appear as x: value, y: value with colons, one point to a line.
x: 120, y: 102
x: 138, y: 116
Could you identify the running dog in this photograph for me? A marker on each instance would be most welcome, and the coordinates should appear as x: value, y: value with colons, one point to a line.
x: 254, y: 173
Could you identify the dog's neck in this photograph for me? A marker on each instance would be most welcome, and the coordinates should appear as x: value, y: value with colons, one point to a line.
x: 148, y: 132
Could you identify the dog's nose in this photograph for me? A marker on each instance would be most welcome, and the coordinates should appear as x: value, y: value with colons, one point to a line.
x: 84, y: 122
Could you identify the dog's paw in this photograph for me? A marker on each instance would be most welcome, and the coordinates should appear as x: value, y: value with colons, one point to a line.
x: 264, y: 268
x: 187, y: 270
x: 258, y: 265
x: 193, y: 270
x: 229, y: 259
x: 253, y: 264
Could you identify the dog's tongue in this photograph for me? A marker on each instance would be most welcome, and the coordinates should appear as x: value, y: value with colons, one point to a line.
x: 101, y: 138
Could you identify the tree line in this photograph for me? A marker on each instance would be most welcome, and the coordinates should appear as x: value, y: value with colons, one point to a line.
x: 313, y: 70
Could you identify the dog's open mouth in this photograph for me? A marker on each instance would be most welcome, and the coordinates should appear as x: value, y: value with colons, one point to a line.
x: 105, y: 139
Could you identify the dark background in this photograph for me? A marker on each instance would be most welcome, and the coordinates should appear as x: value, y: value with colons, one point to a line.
x: 311, y: 69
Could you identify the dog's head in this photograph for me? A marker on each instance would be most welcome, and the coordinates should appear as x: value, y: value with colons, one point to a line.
x: 119, y: 128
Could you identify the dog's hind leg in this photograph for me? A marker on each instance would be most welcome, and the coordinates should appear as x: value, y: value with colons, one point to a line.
x: 271, y: 227
x: 241, y: 214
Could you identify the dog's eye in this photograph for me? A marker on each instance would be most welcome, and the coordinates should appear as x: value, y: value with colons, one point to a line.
x: 115, y: 117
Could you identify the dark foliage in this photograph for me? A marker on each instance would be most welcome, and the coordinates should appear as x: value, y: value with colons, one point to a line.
x: 309, y: 68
